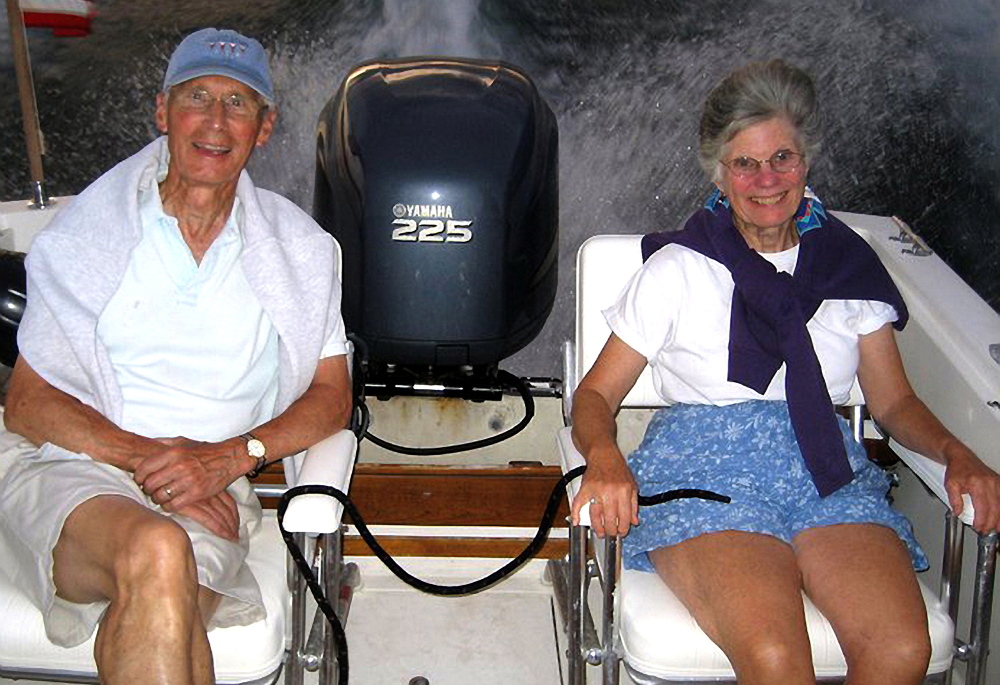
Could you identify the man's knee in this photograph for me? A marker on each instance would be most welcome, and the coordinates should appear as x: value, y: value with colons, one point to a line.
x: 158, y: 555
x: 110, y: 543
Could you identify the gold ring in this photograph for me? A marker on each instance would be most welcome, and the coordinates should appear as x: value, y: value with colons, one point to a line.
x: 169, y: 494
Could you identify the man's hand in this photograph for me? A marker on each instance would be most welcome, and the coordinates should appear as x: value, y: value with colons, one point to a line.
x: 218, y: 513
x: 186, y: 471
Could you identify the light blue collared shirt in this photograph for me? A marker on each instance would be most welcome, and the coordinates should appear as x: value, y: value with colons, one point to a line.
x: 193, y: 350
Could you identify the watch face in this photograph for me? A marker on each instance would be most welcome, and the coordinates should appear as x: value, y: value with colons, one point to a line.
x: 255, y: 448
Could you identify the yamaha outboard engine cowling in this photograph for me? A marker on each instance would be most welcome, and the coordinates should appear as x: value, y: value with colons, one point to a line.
x: 438, y: 177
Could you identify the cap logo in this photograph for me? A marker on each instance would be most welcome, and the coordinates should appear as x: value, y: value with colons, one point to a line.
x: 227, y: 48
x: 220, y: 52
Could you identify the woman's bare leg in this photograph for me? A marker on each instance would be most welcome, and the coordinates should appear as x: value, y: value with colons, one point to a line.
x: 744, y: 590
x: 861, y: 577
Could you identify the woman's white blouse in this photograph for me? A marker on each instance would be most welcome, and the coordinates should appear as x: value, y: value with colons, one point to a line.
x: 675, y: 311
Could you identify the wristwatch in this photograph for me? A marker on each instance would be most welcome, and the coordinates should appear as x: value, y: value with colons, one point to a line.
x: 256, y: 449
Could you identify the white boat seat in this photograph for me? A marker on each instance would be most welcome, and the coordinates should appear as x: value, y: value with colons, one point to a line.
x: 649, y: 611
x: 24, y: 647
x: 244, y: 654
x: 648, y: 628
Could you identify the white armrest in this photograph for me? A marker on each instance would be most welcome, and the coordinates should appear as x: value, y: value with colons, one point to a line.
x: 569, y: 459
x: 932, y: 474
x: 328, y: 462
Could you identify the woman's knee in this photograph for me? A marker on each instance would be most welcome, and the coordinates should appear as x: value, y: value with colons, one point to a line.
x: 897, y: 655
x: 768, y: 658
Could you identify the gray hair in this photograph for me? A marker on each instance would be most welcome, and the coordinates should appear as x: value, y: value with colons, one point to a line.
x: 753, y: 94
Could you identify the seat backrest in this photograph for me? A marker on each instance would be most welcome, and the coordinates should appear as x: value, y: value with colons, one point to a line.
x: 604, y: 264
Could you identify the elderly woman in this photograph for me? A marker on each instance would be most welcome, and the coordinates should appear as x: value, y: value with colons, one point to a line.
x: 753, y: 318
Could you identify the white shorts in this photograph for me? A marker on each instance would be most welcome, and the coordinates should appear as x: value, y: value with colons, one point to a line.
x: 37, y: 493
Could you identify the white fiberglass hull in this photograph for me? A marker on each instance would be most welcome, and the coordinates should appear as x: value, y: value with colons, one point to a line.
x: 397, y: 634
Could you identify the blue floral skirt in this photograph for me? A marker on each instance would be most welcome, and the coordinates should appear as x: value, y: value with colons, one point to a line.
x: 747, y: 451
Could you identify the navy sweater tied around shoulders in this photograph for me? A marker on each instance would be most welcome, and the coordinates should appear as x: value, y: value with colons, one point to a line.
x: 770, y: 310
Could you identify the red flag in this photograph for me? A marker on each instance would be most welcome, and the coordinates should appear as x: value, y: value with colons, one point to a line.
x: 64, y: 17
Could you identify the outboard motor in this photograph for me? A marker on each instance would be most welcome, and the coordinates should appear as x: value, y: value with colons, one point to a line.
x: 438, y: 177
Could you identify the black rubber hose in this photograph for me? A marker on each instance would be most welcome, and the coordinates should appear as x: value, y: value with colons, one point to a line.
x: 339, y: 636
x: 529, y: 551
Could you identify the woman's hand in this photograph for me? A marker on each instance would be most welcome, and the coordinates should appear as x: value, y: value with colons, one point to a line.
x: 608, y: 484
x: 905, y: 417
x: 967, y: 474
x: 610, y: 488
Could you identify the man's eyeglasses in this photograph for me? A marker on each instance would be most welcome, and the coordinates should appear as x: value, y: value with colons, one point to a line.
x: 781, y: 162
x: 236, y: 105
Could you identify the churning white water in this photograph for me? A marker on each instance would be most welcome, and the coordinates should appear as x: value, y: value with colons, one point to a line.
x: 911, y: 101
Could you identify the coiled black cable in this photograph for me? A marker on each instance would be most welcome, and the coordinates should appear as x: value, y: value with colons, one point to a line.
x: 548, y: 517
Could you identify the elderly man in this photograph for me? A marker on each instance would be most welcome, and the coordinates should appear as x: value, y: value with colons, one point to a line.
x: 182, y: 331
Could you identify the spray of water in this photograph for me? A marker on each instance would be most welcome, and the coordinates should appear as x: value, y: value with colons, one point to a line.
x: 964, y: 39
x: 430, y: 27
x: 909, y: 90
x: 309, y: 73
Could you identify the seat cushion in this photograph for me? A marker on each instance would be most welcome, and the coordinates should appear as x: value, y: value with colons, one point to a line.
x: 659, y: 638
x: 242, y: 654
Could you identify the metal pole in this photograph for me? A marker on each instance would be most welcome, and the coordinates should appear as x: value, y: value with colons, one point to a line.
x: 29, y: 108
x: 857, y: 423
x: 982, y: 608
x: 578, y: 604
x: 332, y: 566
x: 951, y: 574
x: 612, y: 554
x: 294, y: 673
x: 951, y: 569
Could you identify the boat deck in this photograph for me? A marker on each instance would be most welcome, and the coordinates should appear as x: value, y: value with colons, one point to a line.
x: 509, y: 633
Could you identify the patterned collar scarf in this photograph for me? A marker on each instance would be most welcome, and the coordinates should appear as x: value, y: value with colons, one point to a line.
x: 770, y: 310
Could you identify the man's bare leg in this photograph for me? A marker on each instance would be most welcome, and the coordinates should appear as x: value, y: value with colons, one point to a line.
x: 201, y: 653
x: 112, y: 548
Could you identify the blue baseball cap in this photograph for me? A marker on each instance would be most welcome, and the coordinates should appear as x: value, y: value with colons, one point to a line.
x: 221, y: 52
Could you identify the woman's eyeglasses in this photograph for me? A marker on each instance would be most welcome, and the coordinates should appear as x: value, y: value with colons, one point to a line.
x: 781, y: 162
